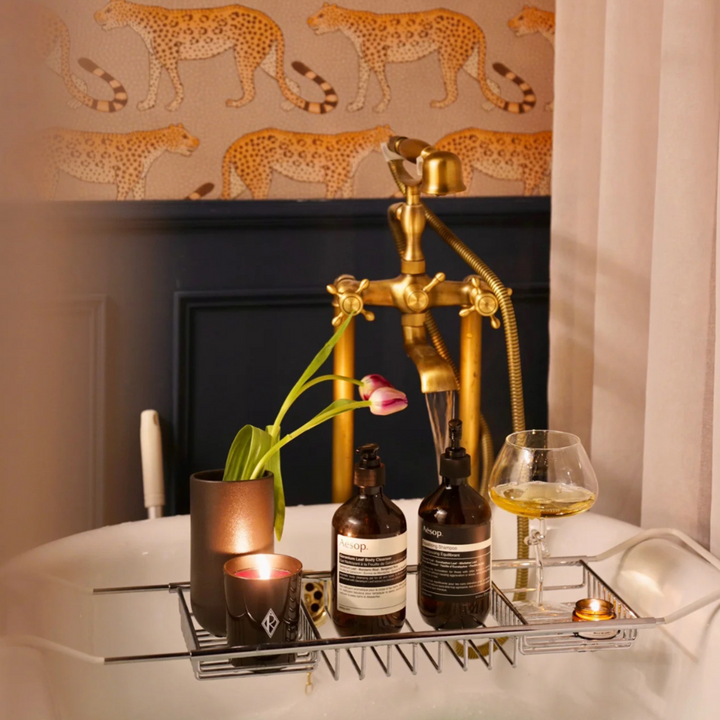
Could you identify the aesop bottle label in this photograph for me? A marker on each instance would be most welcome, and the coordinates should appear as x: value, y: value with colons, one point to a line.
x: 371, y: 574
x: 454, y: 561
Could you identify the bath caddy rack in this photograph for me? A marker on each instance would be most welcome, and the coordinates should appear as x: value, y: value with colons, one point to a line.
x: 505, y: 635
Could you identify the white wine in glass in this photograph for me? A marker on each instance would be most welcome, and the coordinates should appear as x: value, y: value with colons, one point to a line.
x: 543, y: 474
x: 540, y: 499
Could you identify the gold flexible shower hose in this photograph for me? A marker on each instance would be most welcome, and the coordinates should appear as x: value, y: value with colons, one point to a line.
x: 511, y: 343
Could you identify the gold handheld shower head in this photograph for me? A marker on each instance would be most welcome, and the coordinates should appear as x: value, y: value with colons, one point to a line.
x: 440, y: 171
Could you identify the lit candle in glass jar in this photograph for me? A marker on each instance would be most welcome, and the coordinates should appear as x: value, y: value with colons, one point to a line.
x: 262, y: 598
x: 263, y: 571
x: 594, y: 610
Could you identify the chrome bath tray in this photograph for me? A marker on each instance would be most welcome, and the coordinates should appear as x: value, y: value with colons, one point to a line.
x: 505, y: 635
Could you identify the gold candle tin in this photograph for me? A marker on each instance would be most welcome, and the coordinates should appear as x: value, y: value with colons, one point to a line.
x: 594, y: 610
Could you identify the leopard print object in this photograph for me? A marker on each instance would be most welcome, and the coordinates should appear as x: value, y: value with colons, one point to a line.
x: 48, y: 39
x: 121, y: 159
x: 196, y: 34
x: 504, y: 155
x: 380, y: 39
x: 308, y: 157
x: 533, y: 20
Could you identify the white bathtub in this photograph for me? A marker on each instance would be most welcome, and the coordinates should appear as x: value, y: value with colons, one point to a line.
x: 670, y: 672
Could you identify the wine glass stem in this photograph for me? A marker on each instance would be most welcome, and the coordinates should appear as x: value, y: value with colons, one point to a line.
x: 539, y: 547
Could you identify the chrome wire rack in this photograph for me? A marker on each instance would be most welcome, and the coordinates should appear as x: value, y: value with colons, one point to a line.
x: 505, y: 635
x: 582, y: 640
x: 211, y: 657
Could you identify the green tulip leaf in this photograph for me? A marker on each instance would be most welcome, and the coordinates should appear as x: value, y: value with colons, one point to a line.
x: 249, y: 445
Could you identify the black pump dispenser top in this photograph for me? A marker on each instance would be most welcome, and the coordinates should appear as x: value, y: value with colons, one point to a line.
x: 369, y: 469
x: 455, y: 464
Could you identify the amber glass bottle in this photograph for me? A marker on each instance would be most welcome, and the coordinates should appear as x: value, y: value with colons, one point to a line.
x: 454, y: 546
x: 369, y: 555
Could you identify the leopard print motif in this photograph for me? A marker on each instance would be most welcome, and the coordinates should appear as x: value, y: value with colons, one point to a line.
x: 533, y: 20
x: 122, y: 159
x: 405, y: 37
x: 49, y: 38
x: 194, y: 34
x: 504, y: 155
x: 330, y: 159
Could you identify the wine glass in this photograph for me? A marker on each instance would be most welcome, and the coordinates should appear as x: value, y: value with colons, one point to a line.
x: 543, y: 474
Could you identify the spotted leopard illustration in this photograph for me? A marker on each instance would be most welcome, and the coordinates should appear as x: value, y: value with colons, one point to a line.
x: 121, y: 159
x: 308, y: 157
x: 405, y: 37
x: 194, y: 34
x: 504, y: 155
x: 534, y: 20
x: 47, y: 38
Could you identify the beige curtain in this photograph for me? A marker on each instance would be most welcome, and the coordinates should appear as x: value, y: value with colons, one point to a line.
x: 633, y: 316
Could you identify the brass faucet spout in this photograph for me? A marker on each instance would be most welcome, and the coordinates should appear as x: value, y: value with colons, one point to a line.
x: 436, y: 375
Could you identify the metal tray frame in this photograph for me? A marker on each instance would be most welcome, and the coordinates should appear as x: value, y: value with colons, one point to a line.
x: 211, y: 656
x: 506, y: 633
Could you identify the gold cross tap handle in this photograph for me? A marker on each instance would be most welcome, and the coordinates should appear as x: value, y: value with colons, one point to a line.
x: 483, y: 301
x: 351, y: 302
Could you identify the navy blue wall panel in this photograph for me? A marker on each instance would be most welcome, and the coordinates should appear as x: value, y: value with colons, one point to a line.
x: 215, y: 308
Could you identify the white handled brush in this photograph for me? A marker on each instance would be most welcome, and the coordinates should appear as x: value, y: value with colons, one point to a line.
x: 152, y: 463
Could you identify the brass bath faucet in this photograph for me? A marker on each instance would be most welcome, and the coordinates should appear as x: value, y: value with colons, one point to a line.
x: 413, y: 293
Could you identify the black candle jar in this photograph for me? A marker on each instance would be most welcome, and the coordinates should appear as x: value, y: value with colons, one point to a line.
x: 262, y: 598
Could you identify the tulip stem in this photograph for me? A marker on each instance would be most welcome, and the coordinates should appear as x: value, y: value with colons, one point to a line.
x: 317, y: 361
x: 317, y: 420
x: 325, y: 378
x: 297, y: 392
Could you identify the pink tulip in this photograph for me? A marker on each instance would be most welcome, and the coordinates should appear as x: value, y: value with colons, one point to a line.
x: 370, y: 383
x: 387, y: 400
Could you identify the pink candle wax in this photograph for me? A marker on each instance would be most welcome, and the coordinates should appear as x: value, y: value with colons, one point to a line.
x: 258, y: 574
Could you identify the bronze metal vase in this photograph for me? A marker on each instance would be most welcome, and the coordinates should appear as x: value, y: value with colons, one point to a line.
x: 226, y: 519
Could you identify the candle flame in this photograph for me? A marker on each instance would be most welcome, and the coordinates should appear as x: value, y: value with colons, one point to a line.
x: 595, y: 606
x: 263, y: 567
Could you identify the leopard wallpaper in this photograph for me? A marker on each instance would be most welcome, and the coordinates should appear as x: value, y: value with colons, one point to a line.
x: 291, y: 100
